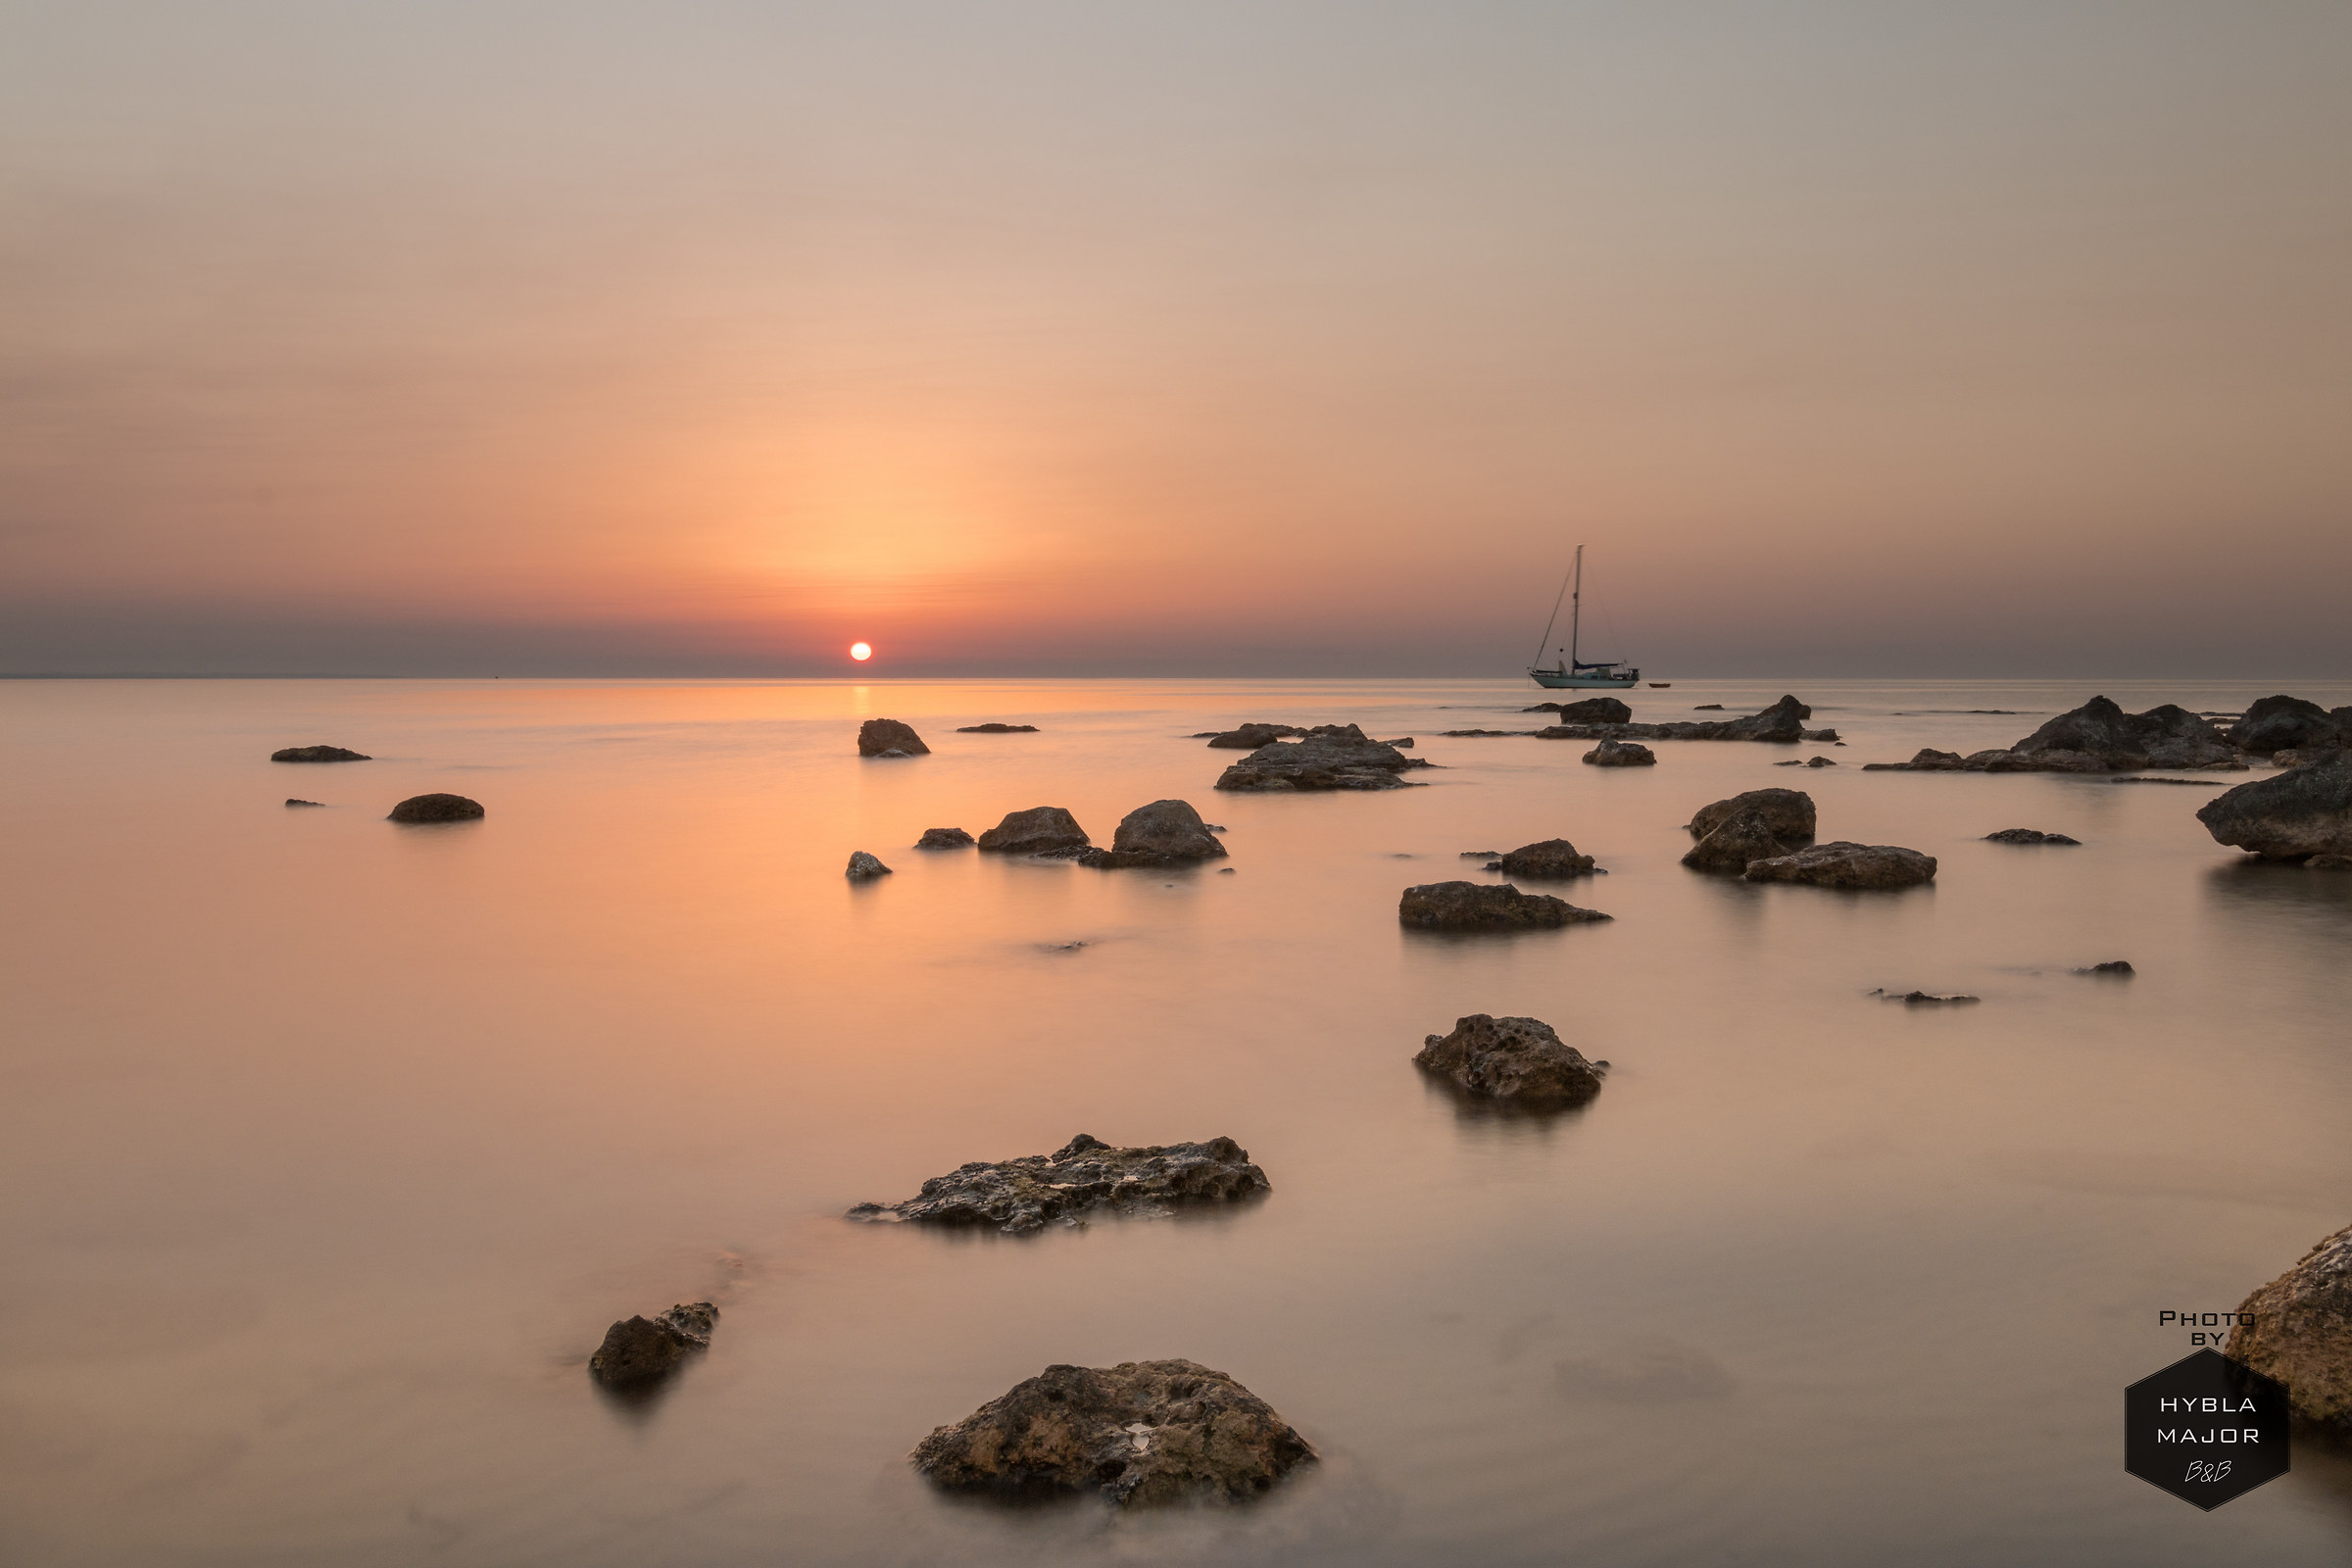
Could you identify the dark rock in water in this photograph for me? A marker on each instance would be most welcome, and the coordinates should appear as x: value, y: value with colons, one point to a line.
x: 319, y: 754
x: 2027, y: 835
x: 1020, y: 1196
x: 639, y: 1349
x: 1927, y: 759
x: 1621, y: 754
x: 1708, y: 708
x: 943, y: 838
x: 1481, y: 855
x: 1163, y: 833
x: 1137, y: 1434
x: 1249, y: 737
x: 1857, y: 868
x: 1827, y: 736
x: 1553, y: 857
x: 994, y: 729
x: 1926, y: 999
x: 1402, y: 742
x: 1519, y: 1060
x: 2285, y: 723
x: 879, y: 737
x: 863, y: 865
x: 1040, y: 830
x: 2118, y: 967
x: 436, y: 808
x: 1782, y: 723
x: 1592, y: 710
x: 1737, y: 840
x: 1332, y: 757
x: 290, y: 801
x: 1788, y: 814
x: 2098, y: 737
x: 1486, y: 907
x: 2287, y: 816
x: 1482, y: 734
x: 2298, y: 1330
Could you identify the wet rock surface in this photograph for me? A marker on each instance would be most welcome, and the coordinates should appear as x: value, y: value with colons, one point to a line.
x: 1332, y: 757
x: 944, y: 838
x: 1855, y: 868
x: 1086, y: 1174
x: 1621, y: 754
x: 1553, y: 858
x: 319, y: 754
x: 639, y: 1349
x: 1139, y: 1433
x: 1787, y: 813
x: 1518, y: 1059
x: 2287, y: 816
x: 1486, y: 907
x: 1161, y: 834
x: 1039, y: 830
x: 878, y: 737
x: 437, y: 808
x: 1592, y: 710
x: 2298, y: 1330
x: 863, y: 865
x: 2027, y: 835
x: 2098, y: 737
x: 994, y: 729
x: 1783, y: 722
x: 1737, y: 841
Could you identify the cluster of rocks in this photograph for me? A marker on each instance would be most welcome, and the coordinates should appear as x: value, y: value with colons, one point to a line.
x: 639, y: 1351
x: 1330, y: 757
x: 1782, y: 723
x: 1486, y: 907
x: 2098, y: 737
x: 2304, y: 814
x: 1086, y: 1174
x: 887, y: 737
x: 1808, y: 762
x: 1764, y: 836
x: 1522, y: 1060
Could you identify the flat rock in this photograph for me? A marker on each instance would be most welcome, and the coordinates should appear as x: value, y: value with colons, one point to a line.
x: 2120, y: 968
x: 944, y: 838
x: 1782, y: 723
x: 1137, y: 1434
x: 319, y: 754
x: 1621, y: 754
x: 1553, y: 858
x: 437, y: 808
x: 994, y: 729
x: 1852, y: 867
x: 2287, y: 816
x: 1592, y: 710
x: 1161, y: 834
x: 291, y: 801
x: 1787, y: 813
x: 638, y: 1349
x: 863, y: 865
x: 1927, y: 759
x: 1926, y: 999
x: 1331, y: 757
x: 2027, y: 835
x: 879, y: 737
x: 2298, y: 1330
x: 1735, y: 842
x: 1086, y: 1174
x: 1040, y: 830
x: 1249, y: 737
x: 1707, y: 708
x: 1486, y: 907
x: 1518, y: 1059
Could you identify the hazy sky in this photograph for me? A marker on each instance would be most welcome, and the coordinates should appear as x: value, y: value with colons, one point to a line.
x: 1191, y: 338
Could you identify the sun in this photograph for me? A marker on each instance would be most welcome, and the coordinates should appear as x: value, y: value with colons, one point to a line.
x: 862, y: 652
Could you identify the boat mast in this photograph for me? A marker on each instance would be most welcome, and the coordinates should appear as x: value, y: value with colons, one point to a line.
x: 1576, y: 609
x: 1554, y: 618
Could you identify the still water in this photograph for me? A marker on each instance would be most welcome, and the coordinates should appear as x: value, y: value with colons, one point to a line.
x: 331, y: 1147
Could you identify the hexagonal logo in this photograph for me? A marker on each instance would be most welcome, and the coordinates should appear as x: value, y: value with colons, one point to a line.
x: 2206, y: 1430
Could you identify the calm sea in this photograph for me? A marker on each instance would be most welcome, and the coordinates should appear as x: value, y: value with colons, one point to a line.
x: 330, y: 1147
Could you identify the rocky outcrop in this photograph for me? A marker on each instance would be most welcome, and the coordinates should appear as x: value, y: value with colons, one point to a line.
x: 944, y: 838
x: 863, y: 865
x: 1332, y: 757
x: 2098, y: 737
x: 1809, y: 762
x: 639, y: 1349
x: 2115, y: 969
x: 291, y: 801
x: 1486, y: 907
x: 1928, y: 999
x: 994, y: 729
x: 319, y: 754
x: 1137, y: 1434
x: 1553, y: 858
x: 1040, y: 830
x: 1855, y: 868
x: 2288, y: 723
x: 2287, y: 816
x: 1736, y: 841
x: 1782, y: 723
x: 1161, y: 834
x: 879, y: 737
x: 1249, y: 737
x: 1621, y: 754
x: 1517, y: 1060
x: 1592, y: 710
x: 1787, y: 813
x: 2298, y: 1330
x: 2027, y: 835
x: 1927, y: 759
x: 437, y: 808
x: 1086, y: 1174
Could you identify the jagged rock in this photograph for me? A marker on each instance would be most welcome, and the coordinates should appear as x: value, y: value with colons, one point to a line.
x: 2285, y: 723
x: 1621, y: 754
x: 319, y: 754
x: 1249, y: 737
x: 1553, y: 858
x: 943, y: 838
x: 863, y: 865
x: 879, y: 737
x: 2027, y: 835
x: 995, y: 728
x: 639, y: 1349
x: 1040, y: 830
x: 1734, y: 842
x: 1519, y: 1060
x: 2120, y: 968
x: 2098, y: 737
x: 436, y: 808
x: 1163, y: 833
x: 1024, y: 1195
x: 1926, y: 999
x: 1332, y: 757
x: 1782, y: 723
x: 1141, y: 1433
x: 290, y: 801
x: 2298, y: 1330
x: 1592, y: 710
x: 2287, y: 816
x: 1486, y: 907
x: 1787, y: 813
x: 1852, y: 867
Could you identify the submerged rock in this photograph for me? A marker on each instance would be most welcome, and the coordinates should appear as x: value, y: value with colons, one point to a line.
x: 879, y: 737
x: 1787, y: 813
x: 1621, y: 754
x: 1040, y: 830
x: 639, y: 1349
x: 1024, y: 1195
x: 1163, y: 833
x: 1782, y: 723
x: 943, y: 838
x: 1737, y: 841
x: 1858, y: 867
x: 2287, y: 816
x: 1926, y: 999
x: 2298, y: 1330
x: 1137, y: 1434
x: 2288, y: 723
x: 1592, y: 710
x: 1519, y: 1060
x: 437, y: 808
x: 1553, y: 858
x: 2027, y: 835
x: 1486, y: 907
x: 994, y: 729
x: 863, y: 865
x: 319, y: 754
x: 1332, y: 757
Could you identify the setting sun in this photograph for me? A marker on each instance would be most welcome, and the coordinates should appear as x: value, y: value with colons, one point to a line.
x: 861, y: 650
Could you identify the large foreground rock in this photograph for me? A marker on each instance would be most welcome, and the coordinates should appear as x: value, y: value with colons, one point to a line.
x: 1735, y: 843
x: 1332, y: 757
x: 1163, y: 833
x: 1486, y: 907
x: 1040, y: 830
x: 1137, y: 1434
x: 2098, y: 737
x: 319, y: 754
x: 1854, y: 866
x: 1621, y: 754
x: 1518, y: 1059
x: 1782, y: 723
x: 878, y: 736
x: 2287, y: 816
x: 1020, y: 1196
x: 1787, y: 813
x: 2298, y: 1330
x: 638, y: 1349
x: 1553, y: 857
x: 437, y: 808
x: 2290, y: 724
x: 1592, y: 710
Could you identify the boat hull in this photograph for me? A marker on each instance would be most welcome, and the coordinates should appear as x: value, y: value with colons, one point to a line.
x: 1552, y: 680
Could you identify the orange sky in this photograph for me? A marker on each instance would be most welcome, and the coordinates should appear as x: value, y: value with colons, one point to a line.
x: 1209, y: 339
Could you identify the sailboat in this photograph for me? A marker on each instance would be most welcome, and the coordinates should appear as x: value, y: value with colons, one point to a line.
x: 1572, y: 672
